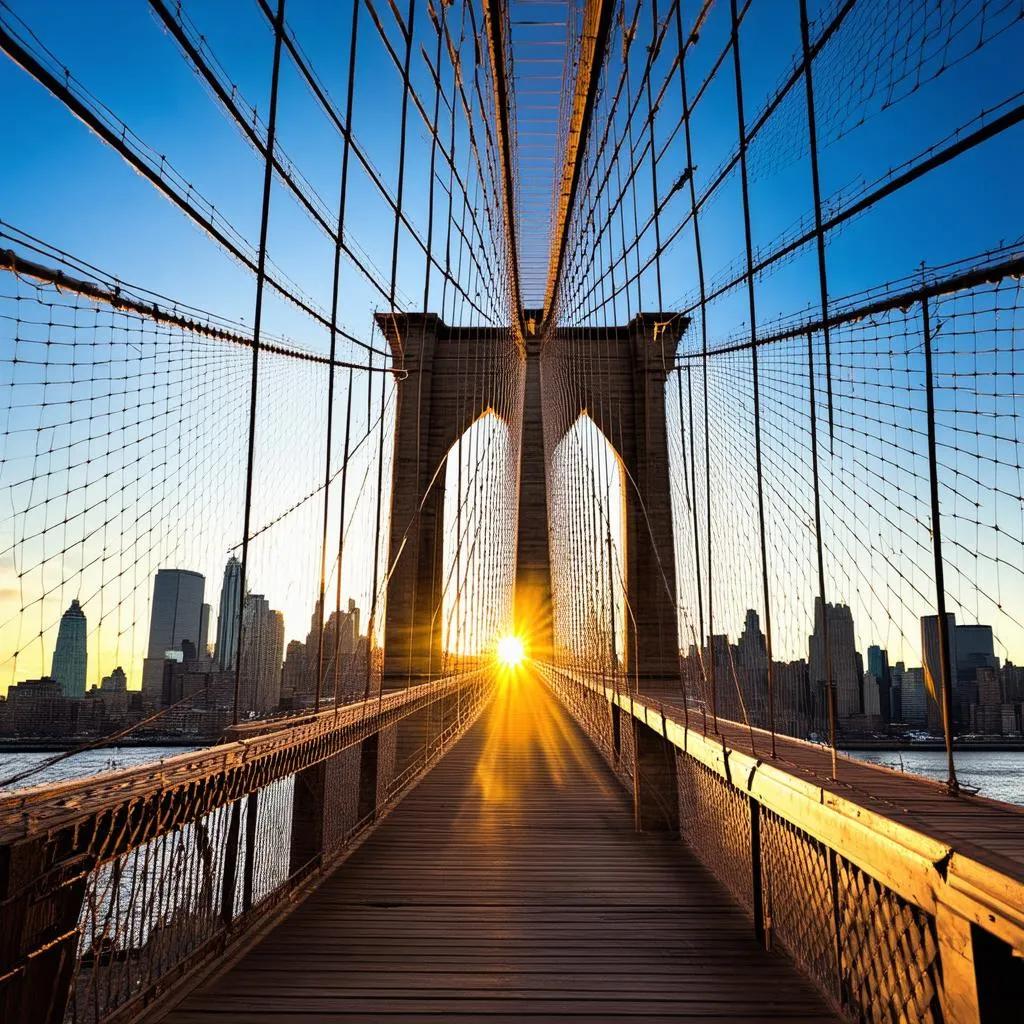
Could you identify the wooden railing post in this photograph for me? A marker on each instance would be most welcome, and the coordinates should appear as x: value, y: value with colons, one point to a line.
x: 837, y: 934
x: 756, y: 882
x: 42, y: 888
x: 227, y: 890
x: 368, y: 758
x: 959, y: 992
x: 248, y: 869
x: 655, y: 787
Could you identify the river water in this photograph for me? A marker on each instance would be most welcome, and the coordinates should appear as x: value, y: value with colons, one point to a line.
x: 999, y: 775
x: 90, y: 762
x: 993, y: 774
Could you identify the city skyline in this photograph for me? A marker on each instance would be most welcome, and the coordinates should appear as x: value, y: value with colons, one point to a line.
x: 187, y: 586
x: 178, y: 613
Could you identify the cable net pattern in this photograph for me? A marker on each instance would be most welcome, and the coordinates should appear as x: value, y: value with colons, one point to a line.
x: 199, y: 457
x: 211, y: 485
x: 714, y: 819
x: 777, y: 365
x: 841, y: 431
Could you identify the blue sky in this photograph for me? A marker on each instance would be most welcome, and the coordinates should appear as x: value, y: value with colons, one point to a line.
x: 60, y: 184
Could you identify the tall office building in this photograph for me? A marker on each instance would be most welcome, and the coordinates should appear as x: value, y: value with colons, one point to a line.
x: 69, y: 655
x: 896, y: 691
x: 296, y: 678
x: 177, y: 612
x: 975, y: 649
x: 751, y: 648
x: 262, y: 651
x: 844, y: 662
x: 914, y: 698
x: 204, y: 632
x: 880, y: 679
x: 750, y: 665
x: 230, y: 614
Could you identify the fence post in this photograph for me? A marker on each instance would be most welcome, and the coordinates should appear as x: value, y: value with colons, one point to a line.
x: 227, y: 889
x: 837, y: 916
x: 248, y: 869
x: 655, y: 787
x: 959, y: 992
x: 42, y: 888
x: 367, y: 810
x: 756, y: 880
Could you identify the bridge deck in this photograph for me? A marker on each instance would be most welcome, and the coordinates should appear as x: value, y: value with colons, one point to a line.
x: 510, y: 885
x: 989, y: 831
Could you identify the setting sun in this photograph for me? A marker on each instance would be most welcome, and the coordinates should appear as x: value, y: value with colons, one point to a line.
x: 511, y: 651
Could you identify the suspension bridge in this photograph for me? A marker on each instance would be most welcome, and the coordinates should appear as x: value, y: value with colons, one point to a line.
x: 599, y: 418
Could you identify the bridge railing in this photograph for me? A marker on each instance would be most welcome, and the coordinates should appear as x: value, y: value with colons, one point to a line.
x: 119, y: 889
x: 890, y: 922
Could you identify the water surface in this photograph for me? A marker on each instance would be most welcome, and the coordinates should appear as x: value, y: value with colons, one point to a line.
x: 89, y: 762
x: 995, y: 774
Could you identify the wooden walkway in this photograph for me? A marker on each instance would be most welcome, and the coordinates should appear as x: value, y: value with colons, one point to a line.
x: 989, y: 831
x: 510, y: 886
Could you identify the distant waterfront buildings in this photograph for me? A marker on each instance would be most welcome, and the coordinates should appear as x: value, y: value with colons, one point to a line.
x: 884, y: 699
x: 69, y: 655
x: 38, y: 707
x: 340, y: 660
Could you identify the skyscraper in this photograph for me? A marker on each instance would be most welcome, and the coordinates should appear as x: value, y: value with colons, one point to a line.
x: 751, y: 649
x: 295, y: 675
x: 847, y: 677
x: 750, y: 665
x: 177, y: 611
x: 69, y: 655
x: 204, y: 632
x: 896, y: 691
x: 878, y: 670
x: 262, y: 651
x: 975, y: 649
x: 914, y: 698
x: 230, y: 614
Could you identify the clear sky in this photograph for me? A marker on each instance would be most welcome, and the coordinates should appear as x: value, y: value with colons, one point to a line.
x: 125, y: 445
x: 896, y: 84
x: 85, y: 515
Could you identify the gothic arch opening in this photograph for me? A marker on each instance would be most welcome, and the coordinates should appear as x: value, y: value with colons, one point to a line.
x: 479, y: 531
x: 588, y: 548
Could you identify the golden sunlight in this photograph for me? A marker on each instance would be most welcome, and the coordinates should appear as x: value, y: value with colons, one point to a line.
x: 511, y: 651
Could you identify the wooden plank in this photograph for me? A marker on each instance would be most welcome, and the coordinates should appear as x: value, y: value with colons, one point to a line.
x: 511, y: 884
x: 926, y: 844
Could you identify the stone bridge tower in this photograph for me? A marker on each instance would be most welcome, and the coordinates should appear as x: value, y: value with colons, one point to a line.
x: 453, y: 375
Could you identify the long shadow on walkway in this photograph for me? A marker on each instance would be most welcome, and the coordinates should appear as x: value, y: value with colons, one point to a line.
x: 510, y: 885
